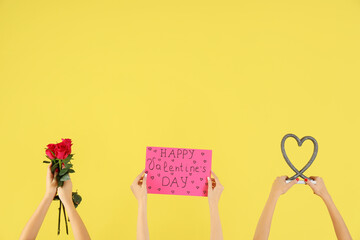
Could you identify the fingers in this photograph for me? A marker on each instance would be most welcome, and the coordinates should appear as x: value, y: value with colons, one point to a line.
x: 49, y: 170
x: 314, y: 178
x: 213, y: 174
x: 144, y: 180
x: 308, y: 182
x: 137, y: 179
x: 280, y: 179
x: 292, y: 183
x: 140, y: 175
x: 55, y: 174
x: 216, y: 178
x: 209, y: 184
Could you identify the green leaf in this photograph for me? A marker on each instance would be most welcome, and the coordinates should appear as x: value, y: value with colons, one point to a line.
x: 46, y: 161
x: 68, y: 158
x: 76, y: 199
x: 63, y: 171
x: 65, y: 178
x: 71, y: 170
x: 53, y: 167
x: 68, y: 165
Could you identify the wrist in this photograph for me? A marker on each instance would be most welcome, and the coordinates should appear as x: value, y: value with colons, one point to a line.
x: 326, y: 197
x: 67, y: 202
x: 69, y: 205
x: 274, y: 195
x: 48, y: 197
x: 142, y: 202
x: 213, y: 206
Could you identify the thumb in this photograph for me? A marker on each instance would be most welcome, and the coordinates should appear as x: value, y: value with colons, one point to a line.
x: 292, y: 183
x: 209, y: 184
x: 308, y: 182
x: 55, y: 175
x: 144, y: 180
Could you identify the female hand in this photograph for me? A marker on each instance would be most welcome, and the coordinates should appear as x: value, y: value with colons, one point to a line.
x: 51, y: 183
x: 341, y: 230
x: 214, y: 189
x: 78, y: 227
x: 65, y: 192
x: 318, y: 188
x: 214, y: 192
x: 139, y: 188
x: 280, y: 186
x: 32, y: 227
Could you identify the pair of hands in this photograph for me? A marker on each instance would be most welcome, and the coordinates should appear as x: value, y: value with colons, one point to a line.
x: 280, y: 186
x: 64, y: 192
x: 139, y: 188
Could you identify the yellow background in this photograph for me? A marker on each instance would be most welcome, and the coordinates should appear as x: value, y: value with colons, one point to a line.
x: 231, y: 76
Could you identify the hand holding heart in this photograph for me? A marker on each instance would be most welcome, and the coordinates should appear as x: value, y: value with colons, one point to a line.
x: 318, y: 188
x: 280, y: 186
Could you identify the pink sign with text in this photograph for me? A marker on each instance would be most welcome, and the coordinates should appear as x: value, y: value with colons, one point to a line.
x: 178, y: 171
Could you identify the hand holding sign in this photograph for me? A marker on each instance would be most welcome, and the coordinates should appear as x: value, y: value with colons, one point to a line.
x: 214, y: 190
x: 177, y: 171
x: 138, y: 187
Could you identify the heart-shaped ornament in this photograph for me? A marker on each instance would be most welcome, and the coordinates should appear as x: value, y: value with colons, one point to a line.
x: 300, y: 142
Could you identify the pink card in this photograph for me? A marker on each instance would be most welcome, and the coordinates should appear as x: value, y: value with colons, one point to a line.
x: 178, y: 171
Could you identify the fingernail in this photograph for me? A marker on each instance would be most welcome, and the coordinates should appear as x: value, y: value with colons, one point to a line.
x: 306, y: 179
x: 297, y: 179
x: 208, y: 178
x: 145, y: 174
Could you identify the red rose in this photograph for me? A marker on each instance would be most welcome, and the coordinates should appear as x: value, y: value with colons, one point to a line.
x: 68, y: 144
x: 50, y: 151
x: 63, y: 149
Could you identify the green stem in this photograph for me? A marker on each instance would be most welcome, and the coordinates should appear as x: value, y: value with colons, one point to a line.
x: 58, y: 177
x: 58, y: 233
x: 66, y: 224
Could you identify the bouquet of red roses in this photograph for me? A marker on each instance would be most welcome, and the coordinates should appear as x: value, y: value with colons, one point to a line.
x: 60, y: 157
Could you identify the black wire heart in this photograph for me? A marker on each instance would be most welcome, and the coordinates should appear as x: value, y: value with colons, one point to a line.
x: 300, y: 142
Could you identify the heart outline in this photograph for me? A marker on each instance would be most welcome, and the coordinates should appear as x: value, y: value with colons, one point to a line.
x: 299, y: 142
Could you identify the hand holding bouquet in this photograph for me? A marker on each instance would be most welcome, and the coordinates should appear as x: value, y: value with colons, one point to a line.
x: 60, y: 157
